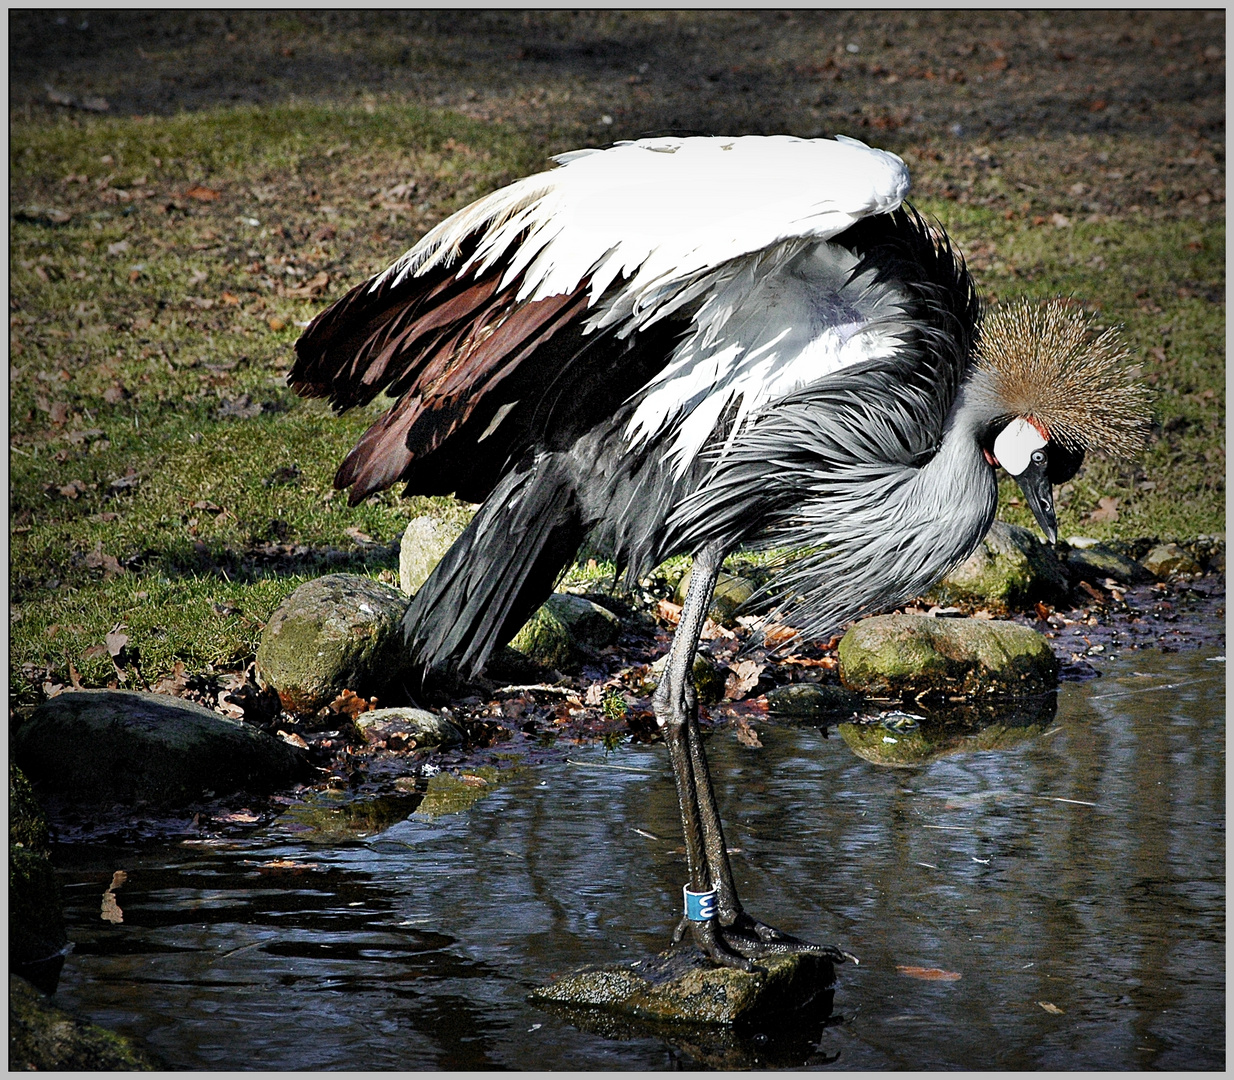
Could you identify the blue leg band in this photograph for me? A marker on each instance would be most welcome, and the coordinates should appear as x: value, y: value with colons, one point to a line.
x: 700, y: 906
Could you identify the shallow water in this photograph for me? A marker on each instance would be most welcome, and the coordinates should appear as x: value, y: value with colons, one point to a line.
x: 1079, y: 865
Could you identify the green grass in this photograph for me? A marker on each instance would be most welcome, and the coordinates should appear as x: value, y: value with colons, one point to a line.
x: 162, y: 476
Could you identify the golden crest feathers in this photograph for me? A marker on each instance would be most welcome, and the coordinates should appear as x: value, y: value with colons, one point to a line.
x: 1047, y: 364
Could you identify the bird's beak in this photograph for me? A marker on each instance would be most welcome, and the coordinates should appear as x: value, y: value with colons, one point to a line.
x: 1039, y: 495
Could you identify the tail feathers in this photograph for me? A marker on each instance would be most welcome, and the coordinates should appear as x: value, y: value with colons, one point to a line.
x: 497, y: 573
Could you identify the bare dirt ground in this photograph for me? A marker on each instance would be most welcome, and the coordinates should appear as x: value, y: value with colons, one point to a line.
x: 1092, y: 111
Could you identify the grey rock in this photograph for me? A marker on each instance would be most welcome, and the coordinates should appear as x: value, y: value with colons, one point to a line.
x: 1166, y: 560
x: 1095, y: 562
x: 44, y: 1037
x: 425, y: 540
x: 338, y: 632
x: 709, y: 678
x: 810, y: 700
x: 898, y: 656
x: 565, y: 630
x: 681, y: 985
x: 1011, y: 570
x: 731, y: 592
x: 408, y: 724
x: 102, y: 745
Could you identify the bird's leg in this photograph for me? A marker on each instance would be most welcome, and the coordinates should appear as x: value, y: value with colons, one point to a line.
x: 731, y: 937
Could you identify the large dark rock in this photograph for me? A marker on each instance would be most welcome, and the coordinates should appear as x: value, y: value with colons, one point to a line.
x: 43, y: 1037
x: 37, y: 939
x: 899, y: 656
x: 338, y: 632
x: 104, y: 745
x: 681, y: 985
x: 1011, y: 570
x: 1094, y: 562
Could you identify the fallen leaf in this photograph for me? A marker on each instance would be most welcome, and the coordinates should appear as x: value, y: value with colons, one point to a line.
x: 115, y: 642
x: 113, y: 395
x: 669, y: 612
x: 174, y: 684
x: 240, y: 817
x: 354, y: 532
x: 351, y: 704
x: 111, y: 910
x: 276, y: 323
x: 294, y: 739
x: 119, y: 247
x: 70, y: 491
x: 1051, y: 1008
x: 594, y: 695
x: 742, y: 678
x: 201, y: 193
x: 230, y: 298
x: 746, y: 735
x: 311, y: 288
x: 927, y: 974
x: 59, y: 413
x: 99, y: 559
x: 777, y: 633
x: 1107, y: 509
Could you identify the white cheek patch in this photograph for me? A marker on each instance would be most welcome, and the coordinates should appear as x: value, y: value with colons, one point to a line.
x: 1015, y: 445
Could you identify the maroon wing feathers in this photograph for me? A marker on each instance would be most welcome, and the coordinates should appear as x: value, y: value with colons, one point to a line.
x: 441, y: 344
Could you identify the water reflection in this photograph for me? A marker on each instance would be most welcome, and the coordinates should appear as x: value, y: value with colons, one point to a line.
x: 1075, y: 862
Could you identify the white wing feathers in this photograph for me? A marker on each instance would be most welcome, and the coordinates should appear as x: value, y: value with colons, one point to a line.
x: 657, y: 211
x: 737, y: 223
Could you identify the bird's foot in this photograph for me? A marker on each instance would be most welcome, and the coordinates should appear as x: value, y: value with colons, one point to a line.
x: 746, y: 940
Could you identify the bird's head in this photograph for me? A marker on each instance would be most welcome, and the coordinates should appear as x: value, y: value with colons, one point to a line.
x: 1057, y: 389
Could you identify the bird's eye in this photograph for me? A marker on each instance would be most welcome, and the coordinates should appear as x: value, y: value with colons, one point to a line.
x: 1038, y: 457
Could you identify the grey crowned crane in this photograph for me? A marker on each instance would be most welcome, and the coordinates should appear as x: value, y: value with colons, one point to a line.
x: 689, y: 346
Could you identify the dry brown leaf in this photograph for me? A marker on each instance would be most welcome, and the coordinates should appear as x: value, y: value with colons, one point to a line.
x: 928, y: 974
x: 1107, y: 509
x: 1051, y: 1008
x: 201, y: 193
x: 742, y: 678
x: 669, y: 612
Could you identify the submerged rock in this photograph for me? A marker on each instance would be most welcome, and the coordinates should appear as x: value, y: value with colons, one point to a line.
x: 565, y: 631
x: 418, y: 726
x: 425, y: 540
x: 900, y: 656
x: 338, y: 632
x: 450, y: 794
x: 1166, y: 560
x: 812, y: 701
x: 1011, y: 570
x: 101, y: 745
x: 681, y: 985
x: 44, y: 1037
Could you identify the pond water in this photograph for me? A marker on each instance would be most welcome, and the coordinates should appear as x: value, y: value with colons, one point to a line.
x: 1071, y: 873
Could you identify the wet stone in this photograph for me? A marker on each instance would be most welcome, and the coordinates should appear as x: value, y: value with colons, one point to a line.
x: 417, y: 727
x: 681, y: 985
x: 101, y: 745
x: 709, y: 678
x: 338, y: 632
x: 812, y: 700
x: 1095, y: 562
x: 1011, y: 570
x: 901, y: 656
x: 1166, y: 560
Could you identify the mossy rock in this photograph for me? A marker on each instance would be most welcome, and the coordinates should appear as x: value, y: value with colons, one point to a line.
x: 37, y: 937
x: 898, y: 656
x: 565, y: 631
x: 27, y: 824
x: 330, y: 818
x: 1011, y: 570
x: 338, y: 632
x: 425, y: 540
x: 682, y: 986
x: 103, y: 745
x: 43, y: 1037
